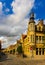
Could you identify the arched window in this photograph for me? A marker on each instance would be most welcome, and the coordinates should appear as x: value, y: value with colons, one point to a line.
x: 39, y: 28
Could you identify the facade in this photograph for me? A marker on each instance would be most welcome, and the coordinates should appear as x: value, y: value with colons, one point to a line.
x: 33, y: 43
x: 11, y: 49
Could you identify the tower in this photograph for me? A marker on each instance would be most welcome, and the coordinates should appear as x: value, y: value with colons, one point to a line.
x: 31, y: 28
x: 31, y: 24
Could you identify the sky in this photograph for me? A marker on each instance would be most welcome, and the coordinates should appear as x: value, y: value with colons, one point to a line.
x: 14, y: 17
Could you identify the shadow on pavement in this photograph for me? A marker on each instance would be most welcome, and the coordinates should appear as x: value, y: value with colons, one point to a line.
x: 3, y: 56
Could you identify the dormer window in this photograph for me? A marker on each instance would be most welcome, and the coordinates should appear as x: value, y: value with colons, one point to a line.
x: 42, y: 28
x: 39, y: 28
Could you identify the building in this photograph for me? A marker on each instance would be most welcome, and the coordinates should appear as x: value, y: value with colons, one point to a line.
x: 10, y: 49
x: 33, y: 43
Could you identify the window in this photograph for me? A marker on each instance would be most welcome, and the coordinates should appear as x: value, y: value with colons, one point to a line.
x: 32, y: 27
x: 43, y: 37
x: 42, y: 51
x: 36, y: 51
x: 36, y: 37
x: 31, y: 38
x: 39, y: 28
x: 39, y: 37
x: 39, y: 51
x: 10, y: 51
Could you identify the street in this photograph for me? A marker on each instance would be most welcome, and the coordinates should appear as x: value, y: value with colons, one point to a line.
x: 13, y: 60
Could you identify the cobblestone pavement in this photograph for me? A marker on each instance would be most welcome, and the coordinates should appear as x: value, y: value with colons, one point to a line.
x: 13, y: 60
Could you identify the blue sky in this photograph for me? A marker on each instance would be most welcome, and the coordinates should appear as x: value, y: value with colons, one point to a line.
x: 14, y: 16
x: 38, y: 9
x: 7, y: 4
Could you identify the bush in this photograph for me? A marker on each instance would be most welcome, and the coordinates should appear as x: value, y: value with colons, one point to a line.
x: 19, y: 49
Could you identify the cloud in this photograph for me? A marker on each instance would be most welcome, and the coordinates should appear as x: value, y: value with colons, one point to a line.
x: 20, y: 27
x: 20, y: 9
x: 7, y: 10
x: 4, y: 41
x: 0, y: 8
x: 16, y: 23
x: 7, y: 41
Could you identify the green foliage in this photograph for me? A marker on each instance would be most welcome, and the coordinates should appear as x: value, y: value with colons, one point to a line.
x: 19, y: 49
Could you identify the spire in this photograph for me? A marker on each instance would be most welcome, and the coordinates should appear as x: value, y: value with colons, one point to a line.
x: 32, y: 16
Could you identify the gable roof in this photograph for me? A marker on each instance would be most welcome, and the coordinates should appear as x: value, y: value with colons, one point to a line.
x: 24, y: 36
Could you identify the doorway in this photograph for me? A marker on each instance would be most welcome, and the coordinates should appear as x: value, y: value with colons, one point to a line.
x: 39, y: 51
x: 36, y: 51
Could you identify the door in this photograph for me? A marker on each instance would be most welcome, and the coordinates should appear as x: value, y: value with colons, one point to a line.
x: 39, y: 51
x: 36, y: 51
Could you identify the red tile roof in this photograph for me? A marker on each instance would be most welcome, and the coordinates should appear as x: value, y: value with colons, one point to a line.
x: 24, y: 36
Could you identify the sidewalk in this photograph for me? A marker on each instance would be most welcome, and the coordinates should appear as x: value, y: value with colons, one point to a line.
x: 35, y: 58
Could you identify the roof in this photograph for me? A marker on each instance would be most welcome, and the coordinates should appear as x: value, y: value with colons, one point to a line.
x: 12, y: 46
x: 41, y: 22
x: 24, y: 36
x: 18, y: 41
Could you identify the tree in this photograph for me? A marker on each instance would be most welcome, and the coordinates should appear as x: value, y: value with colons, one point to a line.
x: 19, y: 49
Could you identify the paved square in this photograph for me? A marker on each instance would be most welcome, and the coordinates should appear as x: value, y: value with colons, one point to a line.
x: 13, y: 60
